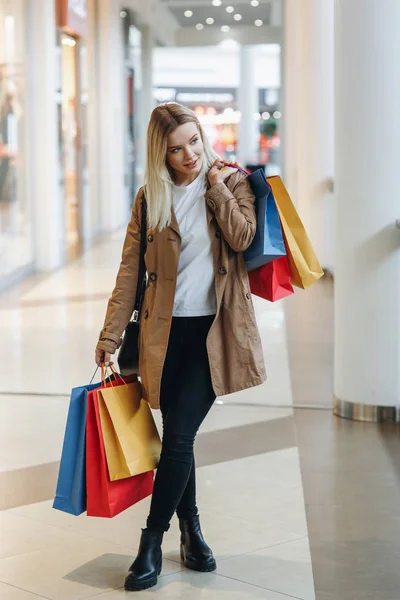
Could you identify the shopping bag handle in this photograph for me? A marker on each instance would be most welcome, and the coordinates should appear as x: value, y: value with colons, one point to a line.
x: 116, y: 374
x: 104, y: 373
x: 236, y: 166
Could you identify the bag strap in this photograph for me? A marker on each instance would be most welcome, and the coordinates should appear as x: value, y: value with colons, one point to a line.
x: 142, y: 266
x: 239, y: 168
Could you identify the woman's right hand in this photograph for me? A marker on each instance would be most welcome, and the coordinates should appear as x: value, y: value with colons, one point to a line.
x: 219, y: 172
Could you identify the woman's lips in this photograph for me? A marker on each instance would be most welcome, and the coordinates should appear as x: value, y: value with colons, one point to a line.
x: 192, y: 164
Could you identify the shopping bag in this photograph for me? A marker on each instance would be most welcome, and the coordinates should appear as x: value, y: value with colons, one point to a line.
x: 131, y: 439
x: 268, y: 242
x: 304, y: 266
x: 272, y: 281
x: 71, y: 485
x: 107, y: 498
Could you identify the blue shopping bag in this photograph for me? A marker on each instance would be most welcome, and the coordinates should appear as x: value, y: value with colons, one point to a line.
x: 268, y: 242
x: 71, y: 484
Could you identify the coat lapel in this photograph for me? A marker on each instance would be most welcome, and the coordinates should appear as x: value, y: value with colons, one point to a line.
x: 174, y: 222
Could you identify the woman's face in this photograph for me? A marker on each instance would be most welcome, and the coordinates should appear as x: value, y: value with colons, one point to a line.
x: 185, y: 152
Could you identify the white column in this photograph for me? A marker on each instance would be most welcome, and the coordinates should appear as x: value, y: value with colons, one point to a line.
x: 146, y: 102
x: 44, y: 168
x: 114, y: 208
x: 249, y: 135
x: 93, y: 218
x: 147, y: 71
x: 367, y: 184
x: 308, y: 143
x: 290, y: 69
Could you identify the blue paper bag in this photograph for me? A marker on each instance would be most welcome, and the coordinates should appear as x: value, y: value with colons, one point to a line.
x: 268, y: 242
x: 71, y: 484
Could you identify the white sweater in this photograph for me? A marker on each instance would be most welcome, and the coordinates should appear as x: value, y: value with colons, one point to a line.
x: 195, y: 289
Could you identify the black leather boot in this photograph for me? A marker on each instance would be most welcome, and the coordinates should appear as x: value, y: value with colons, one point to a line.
x: 146, y: 567
x: 195, y: 553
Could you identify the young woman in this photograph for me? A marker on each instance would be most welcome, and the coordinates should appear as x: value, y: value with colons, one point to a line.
x: 198, y: 332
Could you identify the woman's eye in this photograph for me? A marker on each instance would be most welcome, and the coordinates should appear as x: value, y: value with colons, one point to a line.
x: 175, y: 150
x: 194, y: 141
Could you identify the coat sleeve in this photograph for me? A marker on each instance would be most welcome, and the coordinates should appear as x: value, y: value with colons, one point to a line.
x: 233, y: 206
x: 122, y: 301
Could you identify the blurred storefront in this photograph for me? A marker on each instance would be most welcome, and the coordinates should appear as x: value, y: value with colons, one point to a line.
x: 217, y: 110
x: 133, y: 85
x: 72, y: 28
x: 16, y: 249
x: 70, y: 127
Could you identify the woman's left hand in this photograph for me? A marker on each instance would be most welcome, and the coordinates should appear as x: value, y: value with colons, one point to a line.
x: 219, y: 172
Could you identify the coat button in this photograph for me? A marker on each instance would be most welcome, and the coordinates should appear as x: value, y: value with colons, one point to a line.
x: 153, y: 277
x: 222, y: 271
x: 248, y: 296
x: 212, y: 204
x: 218, y: 234
x: 146, y: 314
x: 150, y: 238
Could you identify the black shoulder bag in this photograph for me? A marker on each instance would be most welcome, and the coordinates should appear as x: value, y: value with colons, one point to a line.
x: 128, y: 357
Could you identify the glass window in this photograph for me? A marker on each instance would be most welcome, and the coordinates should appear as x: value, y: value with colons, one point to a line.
x: 15, y: 221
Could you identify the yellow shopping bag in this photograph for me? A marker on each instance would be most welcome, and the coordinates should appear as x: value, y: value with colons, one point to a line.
x: 304, y: 266
x: 131, y: 439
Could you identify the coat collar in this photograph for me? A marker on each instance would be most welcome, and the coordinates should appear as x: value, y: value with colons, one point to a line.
x: 174, y: 222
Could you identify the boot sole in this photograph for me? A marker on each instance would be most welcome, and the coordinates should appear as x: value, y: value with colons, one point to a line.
x: 144, y: 585
x: 197, y: 566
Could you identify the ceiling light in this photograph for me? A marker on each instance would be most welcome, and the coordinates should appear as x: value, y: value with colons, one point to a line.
x: 256, y: 116
x: 228, y: 44
x: 188, y: 13
x: 266, y: 116
x: 230, y: 9
x: 237, y: 17
x: 210, y: 21
x: 199, y: 26
x: 123, y: 14
x: 254, y: 2
x: 277, y: 114
x: 216, y: 2
x: 258, y: 23
x: 225, y: 28
x: 67, y: 41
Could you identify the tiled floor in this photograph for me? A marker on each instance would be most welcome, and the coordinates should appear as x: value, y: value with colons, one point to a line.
x: 250, y: 491
x: 296, y: 504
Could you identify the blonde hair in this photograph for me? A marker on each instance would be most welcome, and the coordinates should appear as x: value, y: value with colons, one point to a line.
x: 158, y: 179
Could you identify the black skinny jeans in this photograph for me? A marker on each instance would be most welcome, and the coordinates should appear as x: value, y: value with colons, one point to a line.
x: 186, y: 397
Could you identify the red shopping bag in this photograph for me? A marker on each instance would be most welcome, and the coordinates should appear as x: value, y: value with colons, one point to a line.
x: 107, y: 498
x: 272, y: 281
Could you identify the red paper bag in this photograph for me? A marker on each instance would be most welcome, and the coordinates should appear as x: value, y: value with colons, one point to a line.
x: 107, y: 498
x: 272, y: 281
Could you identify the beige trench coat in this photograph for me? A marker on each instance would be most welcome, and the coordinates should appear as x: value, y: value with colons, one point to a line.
x: 233, y: 343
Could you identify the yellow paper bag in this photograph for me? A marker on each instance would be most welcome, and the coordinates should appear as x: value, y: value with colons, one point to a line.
x: 131, y: 439
x: 304, y: 266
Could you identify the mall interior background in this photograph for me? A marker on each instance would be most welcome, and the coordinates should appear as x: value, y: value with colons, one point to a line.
x: 273, y: 85
x: 308, y: 88
x: 76, y: 90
